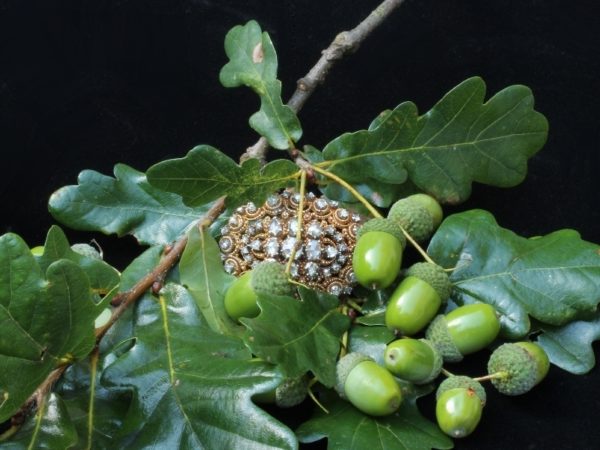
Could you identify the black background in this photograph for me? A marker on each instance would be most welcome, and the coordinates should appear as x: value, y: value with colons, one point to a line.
x: 87, y: 84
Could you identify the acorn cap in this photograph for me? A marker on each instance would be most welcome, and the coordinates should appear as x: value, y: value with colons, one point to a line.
x: 385, y: 226
x: 86, y: 250
x: 433, y: 275
x: 438, y: 361
x: 437, y: 332
x: 291, y: 392
x: 413, y: 217
x: 520, y: 367
x: 462, y: 381
x: 269, y: 277
x: 344, y: 367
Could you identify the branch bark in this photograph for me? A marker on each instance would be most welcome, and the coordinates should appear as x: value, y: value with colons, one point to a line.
x: 344, y: 43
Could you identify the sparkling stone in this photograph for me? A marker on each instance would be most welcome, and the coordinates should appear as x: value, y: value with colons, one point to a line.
x: 333, y: 203
x: 326, y: 272
x: 329, y: 230
x: 315, y: 230
x: 313, y: 250
x: 273, y: 201
x: 342, y: 247
x: 339, y: 237
x: 335, y: 268
x: 296, y: 198
x: 244, y: 239
x: 294, y: 271
x: 310, y: 195
x: 224, y: 230
x: 255, y: 245
x: 239, y: 209
x: 287, y: 246
x: 292, y: 227
x: 350, y: 277
x: 229, y: 267
x: 335, y: 289
x: 251, y: 230
x: 331, y: 252
x: 343, y: 214
x: 248, y: 258
x: 245, y: 250
x: 275, y: 227
x: 234, y: 220
x: 311, y: 270
x: 272, y: 247
x: 321, y: 204
x: 256, y: 224
x: 225, y: 244
x: 251, y: 208
x: 355, y: 218
x: 342, y: 259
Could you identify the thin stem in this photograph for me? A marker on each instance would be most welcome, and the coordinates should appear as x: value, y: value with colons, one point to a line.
x: 350, y: 189
x: 354, y: 305
x: 493, y: 376
x: 312, y: 395
x: 288, y: 266
x: 344, y: 43
x: 415, y: 244
x: 447, y: 373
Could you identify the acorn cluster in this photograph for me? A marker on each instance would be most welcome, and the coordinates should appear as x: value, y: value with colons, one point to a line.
x: 425, y: 337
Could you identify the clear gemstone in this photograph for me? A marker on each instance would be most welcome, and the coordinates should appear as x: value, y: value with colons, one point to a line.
x: 257, y: 224
x: 251, y: 208
x: 296, y: 198
x: 225, y: 244
x: 245, y: 250
x: 333, y: 203
x: 244, y: 238
x: 335, y: 289
x: 350, y: 277
x: 292, y: 227
x: 355, y: 218
x: 342, y: 259
x: 248, y: 258
x: 255, y: 245
x: 229, y: 267
x: 313, y: 250
x: 251, y: 230
x: 273, y: 201
x: 287, y: 246
x: 294, y: 271
x: 272, y: 247
x: 315, y: 230
x: 234, y: 220
x: 330, y: 230
x: 225, y: 230
x: 343, y: 213
x: 335, y: 268
x: 310, y: 195
x: 342, y: 247
x: 331, y: 252
x: 311, y: 270
x: 321, y: 204
x: 326, y: 272
x: 339, y: 237
x: 275, y: 227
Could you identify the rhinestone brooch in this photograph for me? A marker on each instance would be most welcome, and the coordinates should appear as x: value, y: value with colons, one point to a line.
x: 322, y: 259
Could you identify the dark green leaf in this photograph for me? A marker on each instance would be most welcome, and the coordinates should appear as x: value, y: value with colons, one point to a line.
x: 50, y: 428
x: 300, y: 335
x: 459, y: 141
x: 570, y: 346
x: 554, y: 279
x: 126, y: 204
x: 346, y: 428
x: 253, y: 63
x: 102, y: 276
x: 201, y: 271
x: 206, y: 174
x: 370, y: 341
x: 192, y: 387
x: 42, y: 319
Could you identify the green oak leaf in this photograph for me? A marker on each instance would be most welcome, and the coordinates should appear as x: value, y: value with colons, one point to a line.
x: 300, y: 335
x: 554, y: 278
x: 201, y: 271
x: 205, y: 174
x: 253, y: 63
x: 192, y: 387
x: 570, y: 346
x: 126, y: 204
x: 103, y: 277
x: 43, y: 318
x: 459, y: 141
x: 49, y: 428
x: 370, y: 341
x: 346, y: 428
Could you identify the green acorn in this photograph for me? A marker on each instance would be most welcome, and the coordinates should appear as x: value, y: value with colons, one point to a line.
x: 464, y: 330
x: 414, y: 360
x: 519, y: 366
x: 418, y: 214
x: 267, y: 277
x: 290, y: 392
x: 462, y: 381
x: 417, y: 298
x: 458, y: 411
x: 368, y: 386
x: 377, y: 255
